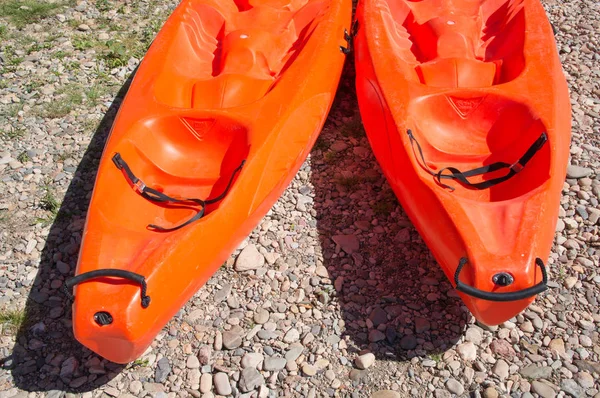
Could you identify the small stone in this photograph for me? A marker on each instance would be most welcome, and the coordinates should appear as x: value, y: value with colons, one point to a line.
x: 585, y: 380
x: 376, y: 335
x: 294, y: 352
x: 249, y: 259
x: 309, y: 370
x: 322, y: 272
x: 557, y: 345
x: 83, y: 27
x: 378, y: 316
x: 536, y: 372
x: 357, y: 375
x: 231, y: 340
x: 291, y: 336
x: 218, y: 344
x: 192, y: 362
x: 68, y: 367
x: 467, y: 351
x: 261, y: 316
x: 204, y: 354
x: 500, y: 369
x: 250, y: 379
x: 408, y: 342
x: 274, y: 363
x: 490, y: 392
x: 163, y: 369
x: 135, y: 387
x: 348, y: 243
x: 206, y: 381
x: 570, y: 281
x: 474, y: 334
x: 570, y: 387
x: 222, y: 294
x: 574, y: 171
x: 364, y: 361
x: 221, y: 382
x: 503, y: 348
x: 527, y: 327
x: 543, y: 389
x: 455, y: 387
x: 252, y: 360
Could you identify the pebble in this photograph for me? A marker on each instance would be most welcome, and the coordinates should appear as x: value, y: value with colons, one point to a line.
x: 490, y: 392
x: 501, y: 369
x: 221, y: 383
x: 536, y: 372
x: 455, y: 387
x: 251, y: 360
x: 249, y: 259
x: 408, y: 342
x: 365, y: 361
x: 291, y: 336
x: 571, y: 388
x: 163, y: 369
x: 574, y: 171
x: 542, y: 389
x: 250, y: 379
x: 309, y: 370
x: 274, y: 363
x: 192, y: 362
x: 231, y: 340
x: 467, y: 351
x: 206, y: 382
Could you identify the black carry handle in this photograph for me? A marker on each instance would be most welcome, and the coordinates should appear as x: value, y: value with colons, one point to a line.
x: 101, y: 273
x: 510, y: 296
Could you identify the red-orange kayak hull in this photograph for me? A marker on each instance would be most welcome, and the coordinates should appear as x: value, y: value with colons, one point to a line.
x: 476, y: 83
x: 225, y: 84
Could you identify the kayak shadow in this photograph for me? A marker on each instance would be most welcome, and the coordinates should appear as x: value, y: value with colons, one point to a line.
x: 395, y: 300
x: 46, y: 355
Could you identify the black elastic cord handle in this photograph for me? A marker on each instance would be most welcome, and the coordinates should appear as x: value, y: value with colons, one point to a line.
x: 102, y: 273
x: 501, y: 297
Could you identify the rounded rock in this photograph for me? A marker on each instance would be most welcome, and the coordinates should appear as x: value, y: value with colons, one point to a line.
x: 365, y: 361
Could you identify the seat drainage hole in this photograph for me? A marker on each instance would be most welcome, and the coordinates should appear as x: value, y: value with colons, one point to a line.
x: 103, y: 318
x: 503, y: 279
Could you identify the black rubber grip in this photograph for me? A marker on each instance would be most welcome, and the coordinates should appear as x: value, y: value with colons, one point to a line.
x: 102, y: 273
x: 501, y: 297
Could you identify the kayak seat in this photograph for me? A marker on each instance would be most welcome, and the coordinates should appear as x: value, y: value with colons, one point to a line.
x: 468, y: 130
x: 187, y: 157
x: 242, y: 59
x: 458, y: 72
x: 448, y: 47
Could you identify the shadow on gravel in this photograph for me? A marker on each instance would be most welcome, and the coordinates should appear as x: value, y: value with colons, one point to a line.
x: 392, y: 294
x: 46, y: 355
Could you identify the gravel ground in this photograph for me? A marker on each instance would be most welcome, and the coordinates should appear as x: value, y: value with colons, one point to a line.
x: 331, y: 311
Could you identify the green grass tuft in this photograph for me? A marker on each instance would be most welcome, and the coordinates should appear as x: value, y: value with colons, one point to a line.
x: 25, y: 12
x: 12, y: 319
x: 49, y: 201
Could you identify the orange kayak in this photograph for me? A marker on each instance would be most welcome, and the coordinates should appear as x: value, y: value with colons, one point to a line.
x: 222, y: 112
x: 467, y: 110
